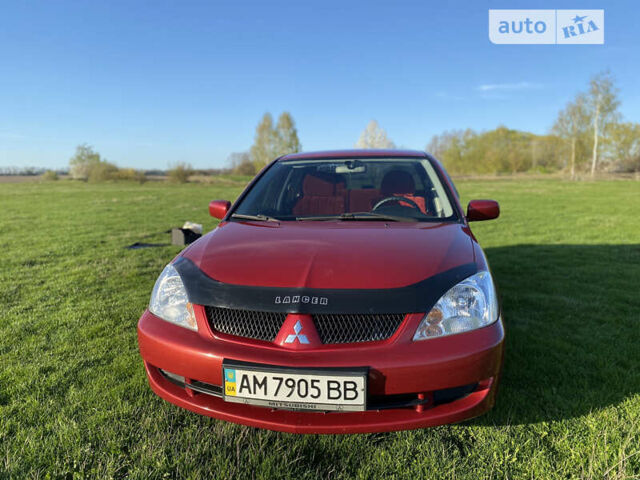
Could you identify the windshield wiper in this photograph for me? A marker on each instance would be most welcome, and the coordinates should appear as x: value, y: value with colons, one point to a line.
x: 259, y: 217
x: 359, y: 216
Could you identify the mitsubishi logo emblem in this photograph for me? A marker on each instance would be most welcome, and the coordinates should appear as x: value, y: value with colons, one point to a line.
x: 292, y: 329
x: 302, y: 338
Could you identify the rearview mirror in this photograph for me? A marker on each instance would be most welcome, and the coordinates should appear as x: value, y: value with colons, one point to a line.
x: 482, y: 210
x: 219, y: 208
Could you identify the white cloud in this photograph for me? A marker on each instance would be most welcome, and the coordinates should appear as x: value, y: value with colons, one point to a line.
x: 508, y: 86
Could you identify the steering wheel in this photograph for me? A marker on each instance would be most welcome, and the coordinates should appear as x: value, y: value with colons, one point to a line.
x: 395, y: 198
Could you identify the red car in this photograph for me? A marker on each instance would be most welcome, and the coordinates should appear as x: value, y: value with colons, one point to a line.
x: 343, y: 292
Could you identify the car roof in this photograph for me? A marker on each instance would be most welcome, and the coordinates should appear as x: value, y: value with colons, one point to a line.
x: 354, y: 153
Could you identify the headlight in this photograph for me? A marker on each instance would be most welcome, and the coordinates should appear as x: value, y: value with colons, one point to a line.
x: 169, y: 300
x: 470, y: 304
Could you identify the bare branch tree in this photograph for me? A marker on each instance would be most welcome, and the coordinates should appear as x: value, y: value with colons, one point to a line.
x: 571, y: 125
x: 602, y: 104
x: 374, y: 136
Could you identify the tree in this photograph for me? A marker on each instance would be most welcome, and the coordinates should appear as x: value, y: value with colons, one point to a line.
x: 450, y: 148
x: 83, y: 161
x: 495, y: 151
x: 625, y: 146
x: 502, y: 150
x: 287, y: 135
x: 437, y: 146
x: 602, y: 105
x: 374, y: 136
x: 87, y: 164
x: 240, y: 163
x: 547, y: 153
x: 572, y: 125
x: 270, y: 142
x: 264, y: 147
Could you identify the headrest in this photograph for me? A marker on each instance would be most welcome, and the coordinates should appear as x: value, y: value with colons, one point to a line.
x: 315, y: 186
x: 397, y: 181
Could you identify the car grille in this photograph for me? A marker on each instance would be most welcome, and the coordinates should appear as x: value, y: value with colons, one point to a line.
x: 332, y: 328
x: 246, y: 323
x: 353, y: 328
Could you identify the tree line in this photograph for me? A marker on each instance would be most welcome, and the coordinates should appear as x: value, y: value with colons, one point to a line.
x: 587, y: 136
x: 88, y: 165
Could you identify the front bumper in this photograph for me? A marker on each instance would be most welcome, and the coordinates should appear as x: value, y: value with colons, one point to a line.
x: 398, y: 369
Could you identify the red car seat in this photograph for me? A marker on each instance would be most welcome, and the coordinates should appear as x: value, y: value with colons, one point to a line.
x: 320, y: 197
x: 398, y: 183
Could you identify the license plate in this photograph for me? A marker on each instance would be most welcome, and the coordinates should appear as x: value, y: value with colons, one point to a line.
x: 295, y: 388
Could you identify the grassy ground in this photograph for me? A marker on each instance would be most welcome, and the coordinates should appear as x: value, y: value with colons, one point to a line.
x: 74, y: 401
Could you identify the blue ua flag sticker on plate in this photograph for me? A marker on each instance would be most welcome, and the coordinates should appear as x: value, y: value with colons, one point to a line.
x: 230, y: 382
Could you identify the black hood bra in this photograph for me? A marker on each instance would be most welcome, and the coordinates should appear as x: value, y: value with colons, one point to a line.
x: 415, y: 298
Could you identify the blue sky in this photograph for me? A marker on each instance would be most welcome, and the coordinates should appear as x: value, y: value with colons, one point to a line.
x: 151, y: 83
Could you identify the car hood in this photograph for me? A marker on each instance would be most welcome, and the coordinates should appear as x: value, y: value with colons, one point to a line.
x: 330, y: 255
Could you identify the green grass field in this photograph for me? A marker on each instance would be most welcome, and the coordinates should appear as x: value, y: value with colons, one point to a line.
x: 74, y: 400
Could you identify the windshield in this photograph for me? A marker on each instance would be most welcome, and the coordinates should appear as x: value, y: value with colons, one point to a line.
x: 401, y: 189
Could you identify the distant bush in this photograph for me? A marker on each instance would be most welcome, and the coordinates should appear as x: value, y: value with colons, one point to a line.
x: 49, y: 176
x: 102, y: 172
x: 130, y: 174
x: 245, y: 168
x: 180, y: 172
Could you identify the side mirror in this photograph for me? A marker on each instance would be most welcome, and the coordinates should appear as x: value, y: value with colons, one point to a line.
x: 219, y: 208
x: 482, y: 210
